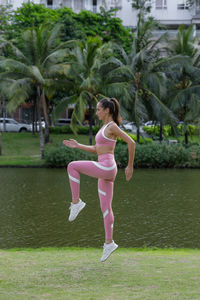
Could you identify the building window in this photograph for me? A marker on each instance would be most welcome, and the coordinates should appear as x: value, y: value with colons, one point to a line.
x: 49, y: 2
x: 182, y: 4
x: 94, y: 5
x: 161, y: 4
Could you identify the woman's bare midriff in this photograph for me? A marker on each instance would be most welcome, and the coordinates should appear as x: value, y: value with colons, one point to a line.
x: 104, y: 150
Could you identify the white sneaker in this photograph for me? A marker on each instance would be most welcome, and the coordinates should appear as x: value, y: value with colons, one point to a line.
x: 75, y: 209
x: 108, y: 249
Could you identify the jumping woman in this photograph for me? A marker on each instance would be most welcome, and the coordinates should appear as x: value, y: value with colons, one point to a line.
x: 108, y: 110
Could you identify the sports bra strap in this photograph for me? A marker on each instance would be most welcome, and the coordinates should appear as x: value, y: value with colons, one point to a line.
x: 108, y: 123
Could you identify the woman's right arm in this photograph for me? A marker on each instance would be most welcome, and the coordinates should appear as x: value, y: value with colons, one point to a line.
x: 74, y: 144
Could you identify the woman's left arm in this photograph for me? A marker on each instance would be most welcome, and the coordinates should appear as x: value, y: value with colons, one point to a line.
x: 131, y: 148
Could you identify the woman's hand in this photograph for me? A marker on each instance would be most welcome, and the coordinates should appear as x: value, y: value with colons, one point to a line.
x: 71, y: 143
x: 128, y: 173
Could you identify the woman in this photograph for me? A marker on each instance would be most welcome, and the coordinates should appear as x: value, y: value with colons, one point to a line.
x: 108, y: 110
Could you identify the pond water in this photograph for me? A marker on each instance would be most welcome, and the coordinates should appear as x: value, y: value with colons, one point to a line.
x: 157, y: 208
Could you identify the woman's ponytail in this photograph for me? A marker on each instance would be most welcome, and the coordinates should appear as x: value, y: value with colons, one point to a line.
x: 116, y: 115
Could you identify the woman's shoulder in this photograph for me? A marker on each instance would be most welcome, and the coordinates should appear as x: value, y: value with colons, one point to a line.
x: 113, y: 124
x: 113, y: 127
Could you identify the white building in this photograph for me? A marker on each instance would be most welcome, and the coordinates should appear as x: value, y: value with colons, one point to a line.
x: 168, y: 12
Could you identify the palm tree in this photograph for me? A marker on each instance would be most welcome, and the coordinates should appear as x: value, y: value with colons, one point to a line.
x: 0, y: 132
x: 186, y: 88
x: 35, y: 67
x: 144, y: 69
x: 92, y: 72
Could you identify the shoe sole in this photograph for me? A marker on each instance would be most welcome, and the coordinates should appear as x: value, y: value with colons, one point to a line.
x: 78, y: 213
x: 109, y: 254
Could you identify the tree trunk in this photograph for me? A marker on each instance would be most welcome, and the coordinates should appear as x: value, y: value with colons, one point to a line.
x: 138, y: 135
x: 90, y: 123
x: 4, y: 115
x: 160, y: 133
x: 33, y: 119
x: 46, y: 117
x: 0, y: 132
x: 40, y: 124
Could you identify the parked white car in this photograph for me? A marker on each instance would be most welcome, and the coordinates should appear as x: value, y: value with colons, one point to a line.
x: 14, y: 126
x: 130, y: 127
x: 151, y: 123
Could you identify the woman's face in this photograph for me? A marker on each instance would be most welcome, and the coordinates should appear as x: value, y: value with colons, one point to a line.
x: 101, y: 112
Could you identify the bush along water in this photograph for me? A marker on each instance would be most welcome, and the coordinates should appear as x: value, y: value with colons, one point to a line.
x: 154, y: 131
x: 146, y: 156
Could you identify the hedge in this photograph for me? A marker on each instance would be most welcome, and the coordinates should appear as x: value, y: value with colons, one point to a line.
x: 143, y: 140
x: 167, y: 130
x: 146, y: 156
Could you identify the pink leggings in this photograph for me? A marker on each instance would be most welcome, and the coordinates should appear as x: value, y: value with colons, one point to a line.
x: 105, y: 170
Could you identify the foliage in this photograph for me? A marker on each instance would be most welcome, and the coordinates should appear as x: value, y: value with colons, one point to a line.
x: 192, y: 129
x: 75, y: 26
x: 93, y: 74
x: 185, y: 84
x: 166, y: 156
x: 155, y: 130
x: 61, y: 156
x: 167, y: 130
x: 36, y: 67
x: 5, y: 18
x: 143, y: 140
x: 150, y: 155
x: 144, y: 71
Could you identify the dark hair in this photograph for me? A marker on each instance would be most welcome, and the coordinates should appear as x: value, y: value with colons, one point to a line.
x: 114, y: 108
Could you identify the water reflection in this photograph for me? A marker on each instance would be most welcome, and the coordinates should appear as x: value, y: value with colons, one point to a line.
x: 157, y: 208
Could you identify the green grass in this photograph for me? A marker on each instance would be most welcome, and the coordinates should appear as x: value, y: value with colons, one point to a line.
x: 181, y: 139
x: 77, y: 273
x: 24, y: 148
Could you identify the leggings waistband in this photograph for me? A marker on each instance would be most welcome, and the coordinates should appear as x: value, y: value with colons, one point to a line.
x: 106, y: 156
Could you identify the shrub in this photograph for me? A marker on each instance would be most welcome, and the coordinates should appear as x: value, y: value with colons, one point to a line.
x: 155, y: 130
x: 143, y: 140
x: 166, y: 156
x: 121, y: 155
x: 192, y: 129
x: 60, y: 156
x: 146, y: 156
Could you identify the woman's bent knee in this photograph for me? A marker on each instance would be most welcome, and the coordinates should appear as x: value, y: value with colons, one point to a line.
x: 70, y: 166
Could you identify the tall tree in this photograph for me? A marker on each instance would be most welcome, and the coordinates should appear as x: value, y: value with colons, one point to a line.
x: 0, y: 130
x: 185, y: 99
x: 144, y: 72
x: 92, y: 72
x: 34, y: 67
x: 5, y: 18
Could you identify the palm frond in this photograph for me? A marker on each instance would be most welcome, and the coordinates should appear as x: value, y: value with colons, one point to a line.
x: 17, y: 92
x: 160, y: 108
x: 36, y: 74
x: 56, y: 57
x: 62, y: 105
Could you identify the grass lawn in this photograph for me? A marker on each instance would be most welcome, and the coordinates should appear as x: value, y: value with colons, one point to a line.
x: 77, y: 273
x: 20, y: 149
x: 181, y: 139
x: 24, y: 148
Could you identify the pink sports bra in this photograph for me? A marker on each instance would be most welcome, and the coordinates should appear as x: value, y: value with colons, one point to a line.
x: 102, y: 140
